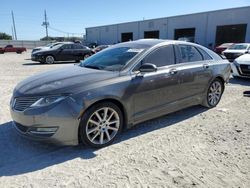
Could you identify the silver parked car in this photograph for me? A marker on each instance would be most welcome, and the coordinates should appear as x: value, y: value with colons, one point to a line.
x: 117, y: 88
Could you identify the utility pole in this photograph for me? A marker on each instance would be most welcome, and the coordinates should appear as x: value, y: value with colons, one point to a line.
x: 12, y: 31
x: 14, y: 25
x: 46, y: 24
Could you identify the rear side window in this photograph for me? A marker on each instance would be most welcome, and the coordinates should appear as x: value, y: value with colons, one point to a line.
x: 77, y: 46
x: 161, y: 57
x: 67, y: 46
x: 205, y: 55
x: 189, y: 54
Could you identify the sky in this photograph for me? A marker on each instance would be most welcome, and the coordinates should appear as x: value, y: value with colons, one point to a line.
x: 73, y: 16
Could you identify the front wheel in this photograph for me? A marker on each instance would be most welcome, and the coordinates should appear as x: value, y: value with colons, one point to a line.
x: 214, y: 93
x: 49, y: 59
x: 101, y: 124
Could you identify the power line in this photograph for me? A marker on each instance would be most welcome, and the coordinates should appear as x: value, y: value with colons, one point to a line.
x: 65, y: 32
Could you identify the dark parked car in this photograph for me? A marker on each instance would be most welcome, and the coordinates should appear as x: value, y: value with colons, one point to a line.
x: 219, y: 49
x: 11, y: 48
x: 62, y: 52
x: 115, y: 89
x: 100, y: 48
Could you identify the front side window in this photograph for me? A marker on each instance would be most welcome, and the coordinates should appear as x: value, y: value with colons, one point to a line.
x: 189, y: 53
x: 161, y: 57
x: 67, y: 46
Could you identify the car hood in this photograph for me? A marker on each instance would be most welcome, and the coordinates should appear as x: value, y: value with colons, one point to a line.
x: 65, y: 80
x: 244, y: 59
x: 234, y: 51
x: 44, y: 49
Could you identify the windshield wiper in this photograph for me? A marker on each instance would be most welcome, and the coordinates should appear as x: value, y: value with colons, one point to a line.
x: 92, y: 67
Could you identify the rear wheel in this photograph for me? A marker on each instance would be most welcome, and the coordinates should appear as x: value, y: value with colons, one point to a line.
x: 86, y: 56
x: 101, y: 124
x: 50, y: 59
x: 214, y: 93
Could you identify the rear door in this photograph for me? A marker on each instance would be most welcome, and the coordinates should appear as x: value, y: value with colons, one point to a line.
x: 194, y: 70
x: 78, y: 52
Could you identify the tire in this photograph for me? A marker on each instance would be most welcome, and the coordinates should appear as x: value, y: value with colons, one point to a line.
x: 49, y: 59
x: 214, y: 94
x: 86, y: 56
x: 94, y: 131
x: 18, y: 52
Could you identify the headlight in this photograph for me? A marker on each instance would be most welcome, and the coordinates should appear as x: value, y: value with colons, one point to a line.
x: 45, y: 101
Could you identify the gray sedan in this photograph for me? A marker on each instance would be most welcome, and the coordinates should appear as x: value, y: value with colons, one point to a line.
x: 115, y: 89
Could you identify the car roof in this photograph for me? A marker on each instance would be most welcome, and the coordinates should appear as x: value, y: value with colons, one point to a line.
x: 148, y: 43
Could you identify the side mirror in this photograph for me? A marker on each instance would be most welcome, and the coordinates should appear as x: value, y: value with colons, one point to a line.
x: 148, y: 67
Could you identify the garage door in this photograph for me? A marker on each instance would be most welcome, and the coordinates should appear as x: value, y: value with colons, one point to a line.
x: 187, y: 34
x: 151, y: 34
x: 127, y: 37
x: 231, y: 34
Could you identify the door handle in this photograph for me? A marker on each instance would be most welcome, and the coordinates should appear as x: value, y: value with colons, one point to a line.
x: 173, y: 71
x: 205, y: 66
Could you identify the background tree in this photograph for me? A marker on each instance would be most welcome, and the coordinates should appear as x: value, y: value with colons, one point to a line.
x: 4, y: 36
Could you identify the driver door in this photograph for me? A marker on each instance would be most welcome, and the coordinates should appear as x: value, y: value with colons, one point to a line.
x: 154, y: 91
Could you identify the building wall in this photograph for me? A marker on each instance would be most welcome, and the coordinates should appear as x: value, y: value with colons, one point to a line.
x: 205, y: 25
x: 227, y: 17
x: 197, y: 21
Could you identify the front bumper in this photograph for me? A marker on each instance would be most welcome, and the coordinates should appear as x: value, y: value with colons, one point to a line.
x: 239, y: 72
x: 58, y: 124
x: 37, y: 58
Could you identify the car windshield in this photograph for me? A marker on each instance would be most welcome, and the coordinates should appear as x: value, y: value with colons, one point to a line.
x: 48, y: 45
x: 113, y: 59
x: 57, y: 46
x: 238, y: 47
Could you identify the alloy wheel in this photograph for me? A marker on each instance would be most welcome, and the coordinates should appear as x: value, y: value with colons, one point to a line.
x: 102, y: 126
x: 214, y: 94
x: 50, y: 60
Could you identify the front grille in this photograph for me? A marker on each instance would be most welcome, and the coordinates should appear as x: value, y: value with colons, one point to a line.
x: 245, y: 69
x: 22, y: 103
x: 232, y: 56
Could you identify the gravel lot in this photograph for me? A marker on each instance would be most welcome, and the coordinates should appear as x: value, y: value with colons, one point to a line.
x: 194, y: 147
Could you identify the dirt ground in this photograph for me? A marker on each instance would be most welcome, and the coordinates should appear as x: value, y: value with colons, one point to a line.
x: 194, y: 147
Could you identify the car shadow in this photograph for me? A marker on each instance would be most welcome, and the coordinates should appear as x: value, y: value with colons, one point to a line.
x: 240, y: 81
x: 56, y: 63
x: 19, y: 155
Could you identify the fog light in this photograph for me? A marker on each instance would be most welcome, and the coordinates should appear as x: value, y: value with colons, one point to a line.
x: 43, y: 130
x: 48, y: 129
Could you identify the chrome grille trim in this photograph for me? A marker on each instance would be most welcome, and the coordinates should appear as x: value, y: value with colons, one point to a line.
x: 22, y: 103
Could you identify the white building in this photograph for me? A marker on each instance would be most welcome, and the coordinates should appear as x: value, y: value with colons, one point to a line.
x: 207, y: 28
